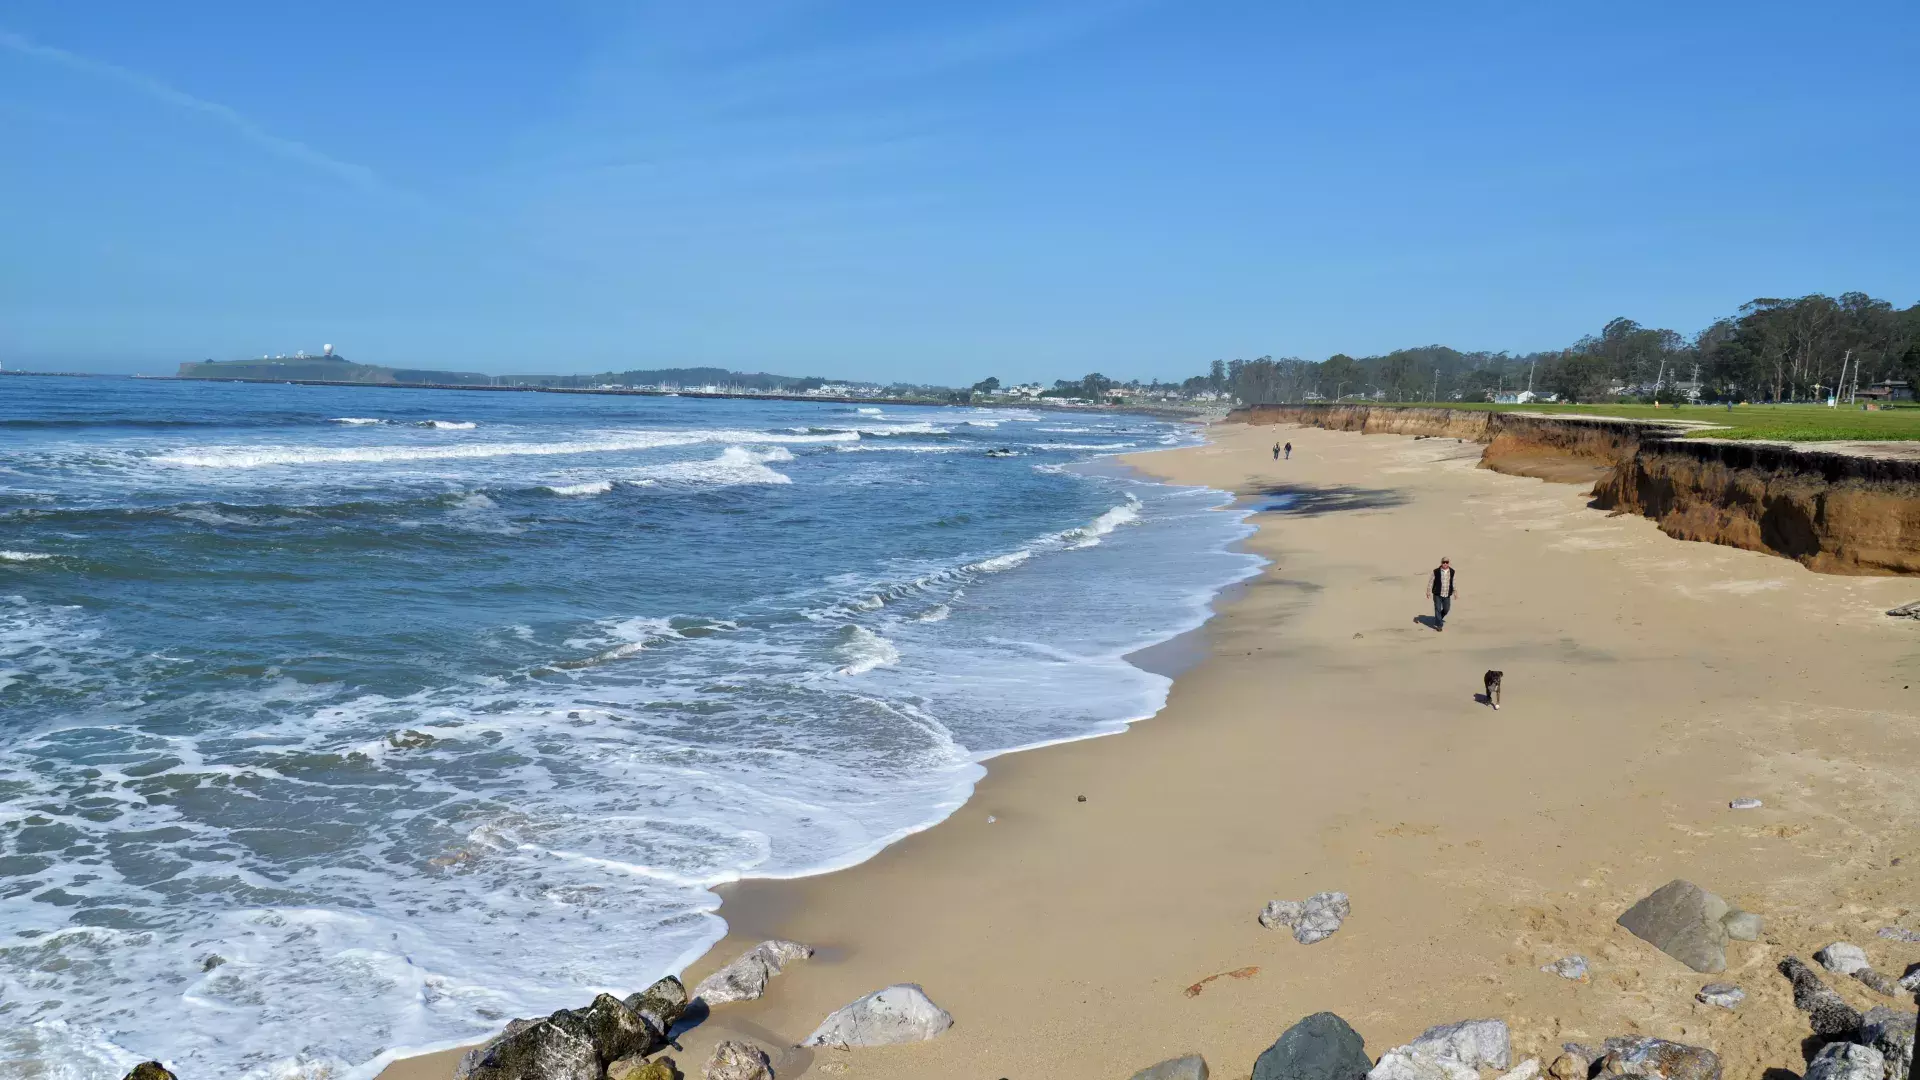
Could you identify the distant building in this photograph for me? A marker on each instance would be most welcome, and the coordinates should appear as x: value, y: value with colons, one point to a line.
x: 1888, y: 390
x: 1513, y: 397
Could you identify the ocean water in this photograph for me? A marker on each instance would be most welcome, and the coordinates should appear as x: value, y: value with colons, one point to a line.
x: 336, y: 723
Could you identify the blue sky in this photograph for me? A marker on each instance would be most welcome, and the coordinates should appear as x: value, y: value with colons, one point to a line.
x: 930, y: 191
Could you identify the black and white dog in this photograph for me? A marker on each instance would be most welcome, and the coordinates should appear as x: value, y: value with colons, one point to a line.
x: 1493, y: 687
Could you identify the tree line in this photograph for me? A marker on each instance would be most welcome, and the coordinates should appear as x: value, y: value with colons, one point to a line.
x: 1771, y: 350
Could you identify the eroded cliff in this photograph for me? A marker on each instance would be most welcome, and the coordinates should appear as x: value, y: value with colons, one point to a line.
x: 1854, y: 512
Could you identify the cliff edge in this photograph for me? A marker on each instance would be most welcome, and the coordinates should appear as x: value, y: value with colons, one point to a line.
x: 1850, y: 508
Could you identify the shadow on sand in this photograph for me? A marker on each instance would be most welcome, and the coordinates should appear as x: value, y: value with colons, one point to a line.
x: 1305, y: 501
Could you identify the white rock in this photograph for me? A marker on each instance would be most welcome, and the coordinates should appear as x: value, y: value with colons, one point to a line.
x: 746, y: 978
x: 897, y: 1014
x: 1279, y: 913
x: 1480, y: 1044
x: 1324, y: 914
x: 1842, y: 958
x: 1316, y: 919
x: 1569, y: 967
x: 1725, y: 995
x: 1403, y: 1063
x: 1847, y: 1061
x: 1746, y: 804
x: 1526, y: 1070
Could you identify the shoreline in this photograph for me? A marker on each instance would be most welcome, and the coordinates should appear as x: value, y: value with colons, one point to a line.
x: 1166, y: 658
x: 1476, y: 845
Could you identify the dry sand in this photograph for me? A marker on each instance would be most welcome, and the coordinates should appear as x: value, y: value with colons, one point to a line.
x: 1327, y: 741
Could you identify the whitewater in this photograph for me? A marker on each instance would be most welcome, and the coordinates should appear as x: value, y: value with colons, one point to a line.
x: 339, y: 723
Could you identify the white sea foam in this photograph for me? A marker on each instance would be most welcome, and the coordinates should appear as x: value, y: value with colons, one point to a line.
x: 23, y: 556
x: 249, y: 457
x: 865, y: 650
x: 355, y: 420
x: 1125, y: 514
x: 735, y: 465
x: 590, y: 487
x: 1001, y: 562
x: 450, y: 425
x: 918, y: 427
x: 867, y: 412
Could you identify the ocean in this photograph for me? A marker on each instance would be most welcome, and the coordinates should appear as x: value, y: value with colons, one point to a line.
x: 337, y: 723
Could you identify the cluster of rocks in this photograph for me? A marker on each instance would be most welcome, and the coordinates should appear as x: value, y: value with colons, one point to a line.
x: 610, y: 1039
x: 1314, y: 919
x: 1325, y: 1047
x: 1877, y: 1045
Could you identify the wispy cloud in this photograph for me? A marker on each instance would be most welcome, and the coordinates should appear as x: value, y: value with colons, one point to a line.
x: 358, y: 176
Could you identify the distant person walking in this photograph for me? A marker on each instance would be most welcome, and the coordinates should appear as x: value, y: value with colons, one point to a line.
x: 1276, y: 451
x: 1289, y: 451
x: 1440, y: 590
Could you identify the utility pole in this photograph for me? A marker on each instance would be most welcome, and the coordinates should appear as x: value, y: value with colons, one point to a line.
x: 1436, y: 385
x: 1530, y: 366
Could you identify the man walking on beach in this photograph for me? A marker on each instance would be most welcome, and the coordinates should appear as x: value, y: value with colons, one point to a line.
x: 1276, y: 451
x: 1440, y: 589
x: 1289, y: 451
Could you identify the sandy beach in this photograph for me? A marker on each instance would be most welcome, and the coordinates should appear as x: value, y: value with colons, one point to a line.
x: 1326, y: 740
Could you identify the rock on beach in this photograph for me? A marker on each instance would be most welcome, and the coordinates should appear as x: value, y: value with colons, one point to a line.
x: 1568, y: 967
x: 1187, y: 1067
x: 1827, y: 1011
x: 1891, y: 1033
x: 1842, y: 958
x: 1315, y: 919
x: 738, y: 1061
x: 1724, y: 995
x: 745, y: 979
x: 1658, y: 1059
x: 1320, y: 1047
x: 1682, y: 920
x: 1847, y: 1061
x: 896, y: 1014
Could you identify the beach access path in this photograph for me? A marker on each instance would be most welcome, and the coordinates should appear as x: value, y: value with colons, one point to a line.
x: 1325, y: 740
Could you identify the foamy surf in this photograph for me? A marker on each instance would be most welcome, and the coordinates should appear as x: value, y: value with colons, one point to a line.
x: 251, y: 457
x: 590, y: 487
x: 865, y: 650
x: 23, y: 556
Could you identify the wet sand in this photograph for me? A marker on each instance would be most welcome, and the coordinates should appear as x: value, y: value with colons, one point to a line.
x: 1324, y: 739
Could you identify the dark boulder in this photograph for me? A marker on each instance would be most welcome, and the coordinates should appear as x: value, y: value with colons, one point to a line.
x: 533, y: 1050
x: 151, y: 1070
x: 572, y: 1044
x: 1826, y: 1010
x: 1321, y: 1047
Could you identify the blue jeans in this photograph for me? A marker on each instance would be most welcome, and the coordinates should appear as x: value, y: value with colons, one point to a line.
x: 1441, y: 605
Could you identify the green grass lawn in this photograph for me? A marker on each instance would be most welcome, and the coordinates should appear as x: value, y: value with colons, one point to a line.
x: 1795, y: 423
